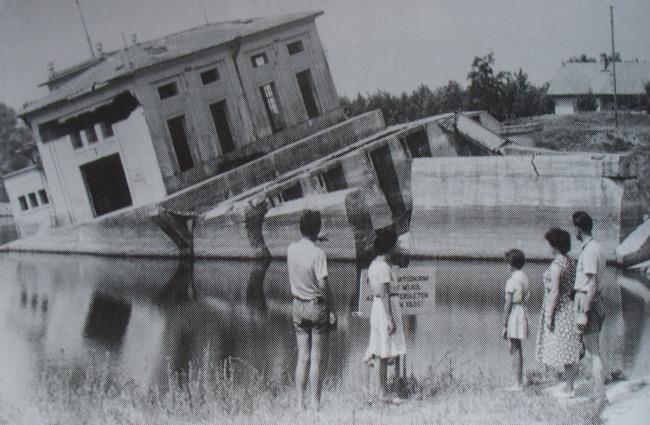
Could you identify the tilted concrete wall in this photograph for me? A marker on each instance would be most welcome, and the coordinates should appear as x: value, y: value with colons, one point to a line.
x: 269, y: 167
x: 342, y: 215
x: 233, y: 231
x: 479, y: 208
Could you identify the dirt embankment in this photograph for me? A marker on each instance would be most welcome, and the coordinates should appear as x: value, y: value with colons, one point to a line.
x: 596, y: 132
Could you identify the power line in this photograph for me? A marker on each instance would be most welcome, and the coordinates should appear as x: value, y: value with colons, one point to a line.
x: 611, y: 17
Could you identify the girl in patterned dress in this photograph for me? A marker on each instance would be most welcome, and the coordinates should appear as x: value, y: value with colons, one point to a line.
x: 515, y: 325
x: 558, y: 343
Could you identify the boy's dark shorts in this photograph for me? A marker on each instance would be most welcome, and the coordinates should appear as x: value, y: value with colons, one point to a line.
x: 310, y: 316
x: 595, y: 313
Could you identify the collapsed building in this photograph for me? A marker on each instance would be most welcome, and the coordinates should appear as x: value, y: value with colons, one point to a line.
x: 210, y: 142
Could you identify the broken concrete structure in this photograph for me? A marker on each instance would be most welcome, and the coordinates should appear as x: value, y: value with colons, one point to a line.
x: 635, y: 248
x: 481, y: 207
x: 231, y: 207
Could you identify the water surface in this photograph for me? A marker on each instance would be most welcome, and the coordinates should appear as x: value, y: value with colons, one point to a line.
x: 145, y: 317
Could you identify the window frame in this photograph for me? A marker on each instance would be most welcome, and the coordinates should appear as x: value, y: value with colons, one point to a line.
x: 107, y: 130
x: 43, y: 197
x: 172, y: 83
x: 179, y: 163
x: 76, y: 140
x: 22, y: 202
x: 215, y: 70
x: 255, y: 56
x: 299, y: 43
x: 91, y: 135
x: 277, y: 125
x: 33, y: 200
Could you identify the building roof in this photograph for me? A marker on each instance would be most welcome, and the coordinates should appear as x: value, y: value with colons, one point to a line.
x: 122, y: 62
x: 582, y: 78
x: 29, y: 169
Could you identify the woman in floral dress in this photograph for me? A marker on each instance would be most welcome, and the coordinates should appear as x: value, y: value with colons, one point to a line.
x: 558, y: 343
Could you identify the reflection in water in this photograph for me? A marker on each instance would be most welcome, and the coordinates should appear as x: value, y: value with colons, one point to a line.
x: 107, y: 320
x: 161, y: 315
x: 180, y: 287
x: 255, y: 298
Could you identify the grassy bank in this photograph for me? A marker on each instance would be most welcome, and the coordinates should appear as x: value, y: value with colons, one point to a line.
x: 215, y: 396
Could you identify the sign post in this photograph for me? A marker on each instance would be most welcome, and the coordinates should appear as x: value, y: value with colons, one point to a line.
x: 417, y: 293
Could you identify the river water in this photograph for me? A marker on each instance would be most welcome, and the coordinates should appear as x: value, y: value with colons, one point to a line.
x: 143, y: 317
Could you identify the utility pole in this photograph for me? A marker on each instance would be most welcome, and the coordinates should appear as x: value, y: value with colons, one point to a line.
x: 611, y: 18
x: 83, y: 23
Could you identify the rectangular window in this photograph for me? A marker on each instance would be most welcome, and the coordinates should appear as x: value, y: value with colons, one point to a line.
x: 220, y: 119
x: 91, y: 135
x: 33, y: 202
x: 42, y: 195
x: 259, y: 60
x: 23, y: 203
x: 292, y: 192
x: 269, y: 96
x: 295, y: 47
x: 167, y: 90
x: 75, y: 139
x: 107, y: 129
x: 179, y: 141
x: 306, y: 85
x: 209, y: 76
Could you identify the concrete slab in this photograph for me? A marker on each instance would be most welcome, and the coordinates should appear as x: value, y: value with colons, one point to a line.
x: 636, y: 247
x: 480, y: 207
x: 346, y: 223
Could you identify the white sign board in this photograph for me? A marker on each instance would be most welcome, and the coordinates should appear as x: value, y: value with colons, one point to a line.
x: 417, y: 290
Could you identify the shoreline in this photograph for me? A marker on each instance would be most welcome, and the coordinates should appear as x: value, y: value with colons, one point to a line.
x: 436, y: 398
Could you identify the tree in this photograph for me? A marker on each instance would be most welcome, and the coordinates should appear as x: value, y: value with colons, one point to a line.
x: 485, y: 87
x: 12, y: 137
x: 647, y: 96
x: 521, y: 98
x: 583, y: 58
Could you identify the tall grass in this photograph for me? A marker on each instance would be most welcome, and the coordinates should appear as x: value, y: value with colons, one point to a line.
x: 234, y: 392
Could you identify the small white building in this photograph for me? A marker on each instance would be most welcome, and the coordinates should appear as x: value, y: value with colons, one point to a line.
x: 30, y: 201
x: 573, y: 81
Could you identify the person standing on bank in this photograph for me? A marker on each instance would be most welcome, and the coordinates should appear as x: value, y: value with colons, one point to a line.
x: 588, y: 302
x: 387, y: 341
x: 313, y: 310
x: 558, y: 342
x: 515, y: 317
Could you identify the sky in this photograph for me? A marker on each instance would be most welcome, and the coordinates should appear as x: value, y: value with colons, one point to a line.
x: 393, y: 45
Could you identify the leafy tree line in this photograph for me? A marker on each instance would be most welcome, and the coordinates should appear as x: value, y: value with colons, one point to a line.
x: 12, y: 137
x: 506, y: 95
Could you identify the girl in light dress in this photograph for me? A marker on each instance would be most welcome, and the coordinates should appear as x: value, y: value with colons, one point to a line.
x: 515, y: 324
x: 387, y: 340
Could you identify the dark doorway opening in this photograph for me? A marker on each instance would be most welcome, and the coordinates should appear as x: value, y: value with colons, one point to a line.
x: 179, y: 141
x: 306, y: 84
x: 388, y: 180
x: 106, y: 184
x: 418, y: 144
x: 220, y: 119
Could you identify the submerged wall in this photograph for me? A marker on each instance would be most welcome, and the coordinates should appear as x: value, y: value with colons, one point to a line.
x: 481, y: 207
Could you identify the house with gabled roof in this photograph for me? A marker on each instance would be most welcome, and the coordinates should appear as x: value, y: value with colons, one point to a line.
x: 131, y: 126
x: 574, y: 81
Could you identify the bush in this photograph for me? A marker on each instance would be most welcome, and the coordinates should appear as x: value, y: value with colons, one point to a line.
x: 587, y: 102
